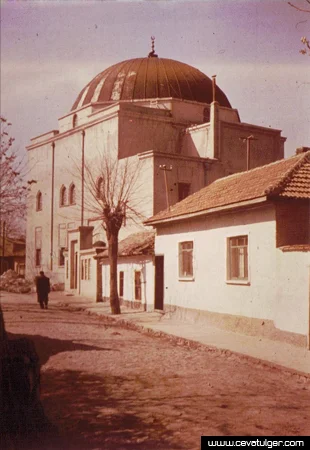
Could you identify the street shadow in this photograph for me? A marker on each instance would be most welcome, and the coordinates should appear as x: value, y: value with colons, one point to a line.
x: 47, y: 347
x: 91, y: 413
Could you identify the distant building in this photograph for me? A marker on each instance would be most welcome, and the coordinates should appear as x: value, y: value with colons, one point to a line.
x: 237, y: 252
x: 12, y: 255
x: 154, y: 110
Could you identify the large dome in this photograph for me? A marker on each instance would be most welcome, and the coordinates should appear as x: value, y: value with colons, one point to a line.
x: 147, y: 78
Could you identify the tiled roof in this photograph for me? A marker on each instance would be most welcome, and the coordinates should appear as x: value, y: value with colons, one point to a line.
x: 135, y: 244
x: 288, y: 178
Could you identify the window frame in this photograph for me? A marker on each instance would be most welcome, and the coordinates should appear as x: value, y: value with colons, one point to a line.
x: 138, y: 287
x: 63, y: 196
x: 181, y: 251
x: 230, y: 278
x: 72, y: 194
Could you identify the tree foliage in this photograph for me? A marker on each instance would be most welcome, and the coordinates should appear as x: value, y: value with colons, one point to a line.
x: 13, y: 192
x: 305, y: 41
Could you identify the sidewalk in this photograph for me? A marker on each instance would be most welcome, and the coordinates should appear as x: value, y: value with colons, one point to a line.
x: 273, y: 353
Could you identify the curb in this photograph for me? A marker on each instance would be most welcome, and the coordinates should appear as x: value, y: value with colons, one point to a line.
x: 189, y: 343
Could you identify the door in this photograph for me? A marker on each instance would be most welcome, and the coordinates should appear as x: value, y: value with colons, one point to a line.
x: 159, y: 282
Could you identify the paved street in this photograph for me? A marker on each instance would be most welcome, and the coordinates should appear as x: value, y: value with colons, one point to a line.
x: 108, y: 387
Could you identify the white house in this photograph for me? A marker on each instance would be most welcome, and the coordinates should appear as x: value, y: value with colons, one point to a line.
x: 168, y: 116
x: 237, y: 252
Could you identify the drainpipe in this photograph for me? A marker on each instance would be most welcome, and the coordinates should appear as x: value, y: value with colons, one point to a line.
x: 214, y: 123
x: 82, y: 188
x: 52, y: 206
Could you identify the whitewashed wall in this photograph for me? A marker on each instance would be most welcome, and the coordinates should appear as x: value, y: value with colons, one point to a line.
x: 276, y: 280
x: 129, y: 265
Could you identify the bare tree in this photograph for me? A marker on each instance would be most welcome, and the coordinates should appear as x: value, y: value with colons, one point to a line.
x: 111, y: 186
x: 304, y: 39
x: 13, y: 191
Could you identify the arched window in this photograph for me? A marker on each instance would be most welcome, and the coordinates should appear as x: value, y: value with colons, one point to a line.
x: 72, y: 194
x: 39, y: 201
x: 63, y: 196
x: 74, y: 121
x: 100, y: 187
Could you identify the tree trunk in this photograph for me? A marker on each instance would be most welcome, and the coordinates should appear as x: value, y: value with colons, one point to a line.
x: 113, y: 253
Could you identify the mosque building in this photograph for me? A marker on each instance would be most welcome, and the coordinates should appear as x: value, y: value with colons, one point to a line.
x: 165, y: 115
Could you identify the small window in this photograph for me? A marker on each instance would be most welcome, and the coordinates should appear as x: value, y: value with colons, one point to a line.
x: 183, y: 190
x: 186, y: 259
x: 237, y: 257
x: 121, y: 284
x: 137, y: 285
x: 39, y: 201
x: 72, y: 194
x: 38, y: 257
x: 63, y: 196
x: 61, y: 261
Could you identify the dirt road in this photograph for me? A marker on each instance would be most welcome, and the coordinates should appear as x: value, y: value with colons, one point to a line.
x: 106, y: 387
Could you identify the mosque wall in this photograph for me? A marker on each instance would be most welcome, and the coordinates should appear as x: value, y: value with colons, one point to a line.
x: 267, y: 147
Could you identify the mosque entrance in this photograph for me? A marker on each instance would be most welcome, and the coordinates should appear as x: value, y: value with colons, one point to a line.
x: 159, y: 282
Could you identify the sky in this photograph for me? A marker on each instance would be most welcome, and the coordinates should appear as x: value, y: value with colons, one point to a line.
x: 50, y: 49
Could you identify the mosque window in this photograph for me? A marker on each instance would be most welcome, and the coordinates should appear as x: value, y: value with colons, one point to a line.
x: 100, y: 188
x: 39, y: 201
x: 63, y: 196
x: 74, y: 121
x: 72, y: 194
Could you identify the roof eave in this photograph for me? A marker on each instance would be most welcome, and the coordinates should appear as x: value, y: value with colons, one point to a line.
x: 243, y: 204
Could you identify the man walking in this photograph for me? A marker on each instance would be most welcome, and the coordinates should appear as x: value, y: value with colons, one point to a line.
x: 43, y: 289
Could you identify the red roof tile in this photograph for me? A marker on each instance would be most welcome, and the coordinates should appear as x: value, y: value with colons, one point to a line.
x: 285, y: 178
x: 135, y: 244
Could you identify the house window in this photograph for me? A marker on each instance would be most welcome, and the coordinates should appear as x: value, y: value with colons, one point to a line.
x: 39, y: 201
x: 61, y: 260
x: 63, y: 196
x: 72, y: 194
x: 121, y: 284
x: 137, y: 285
x: 183, y: 190
x: 237, y: 257
x: 38, y: 257
x: 100, y: 188
x: 186, y: 259
x: 67, y: 270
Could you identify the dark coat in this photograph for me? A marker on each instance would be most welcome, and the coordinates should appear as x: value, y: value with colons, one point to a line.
x: 43, y: 287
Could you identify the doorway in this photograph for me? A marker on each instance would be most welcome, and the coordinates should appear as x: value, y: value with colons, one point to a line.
x: 159, y: 282
x: 73, y: 265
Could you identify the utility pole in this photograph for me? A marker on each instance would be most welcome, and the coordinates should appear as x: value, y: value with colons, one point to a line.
x: 166, y: 169
x: 248, y: 140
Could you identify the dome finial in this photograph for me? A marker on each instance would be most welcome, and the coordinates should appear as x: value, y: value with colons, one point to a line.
x: 152, y: 54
